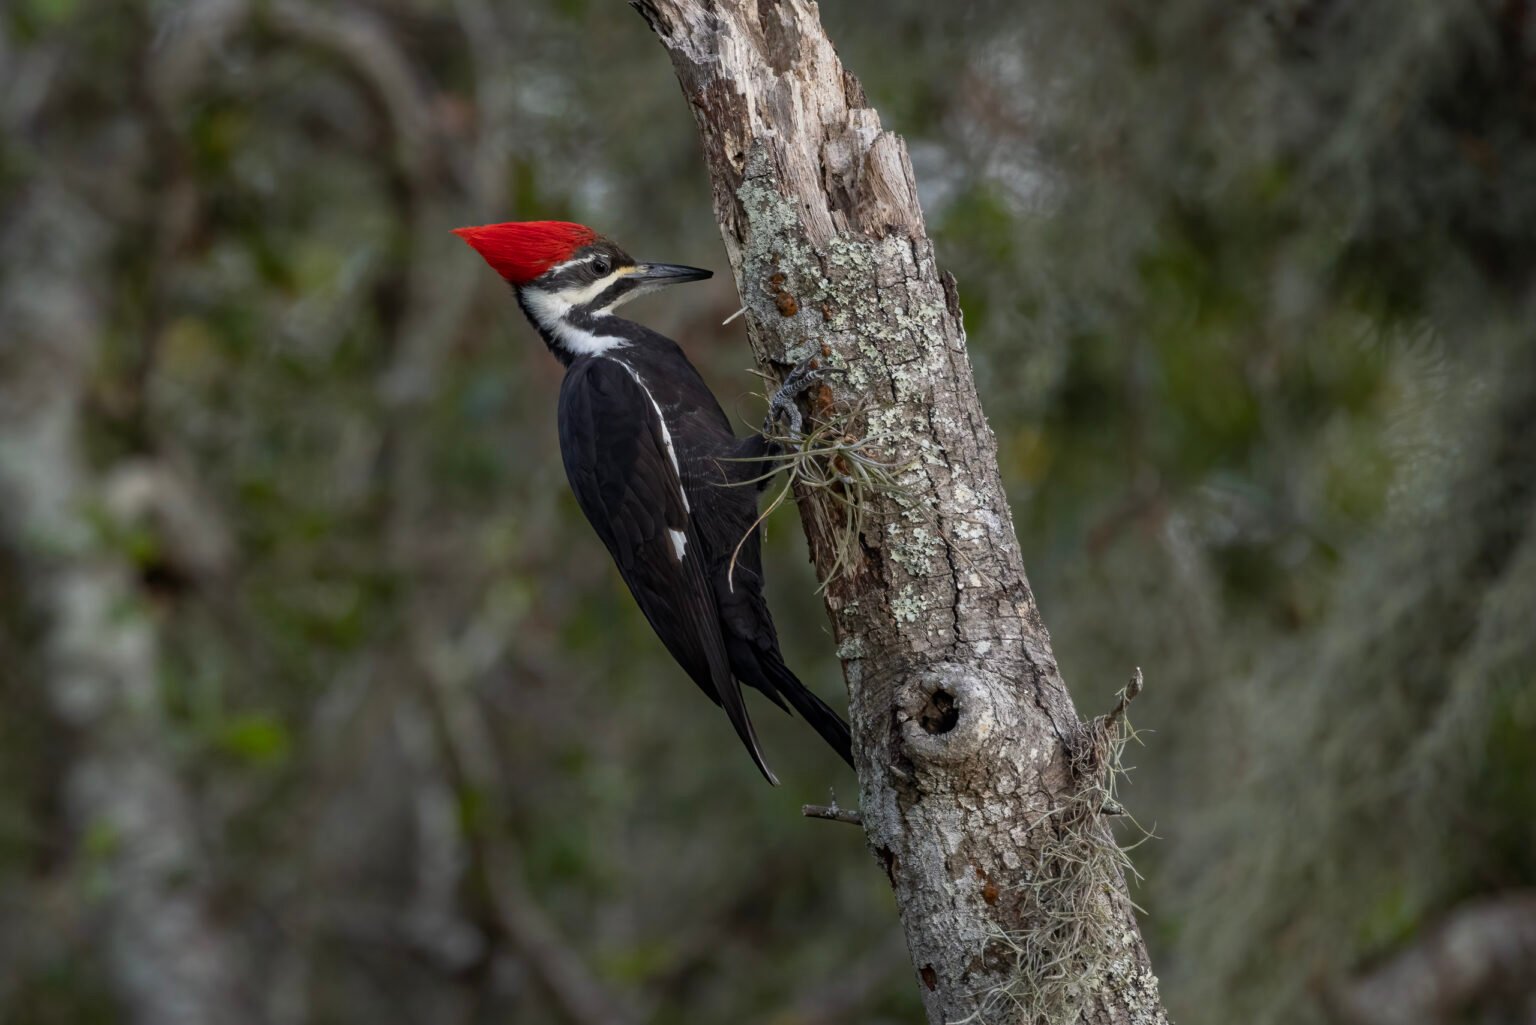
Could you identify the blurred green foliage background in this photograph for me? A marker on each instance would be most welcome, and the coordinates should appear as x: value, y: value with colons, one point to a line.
x: 1249, y: 295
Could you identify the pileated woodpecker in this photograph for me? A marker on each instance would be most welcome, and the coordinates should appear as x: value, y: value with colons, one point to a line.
x: 655, y: 465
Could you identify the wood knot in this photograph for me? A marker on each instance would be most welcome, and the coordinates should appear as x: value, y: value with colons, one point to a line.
x: 948, y: 713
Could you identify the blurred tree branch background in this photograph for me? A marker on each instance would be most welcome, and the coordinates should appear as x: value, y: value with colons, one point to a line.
x: 319, y: 704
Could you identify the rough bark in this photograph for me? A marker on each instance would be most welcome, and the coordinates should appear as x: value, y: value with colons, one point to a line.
x: 981, y: 791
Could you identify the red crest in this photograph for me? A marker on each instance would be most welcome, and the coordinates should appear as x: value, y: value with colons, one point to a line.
x: 520, y: 251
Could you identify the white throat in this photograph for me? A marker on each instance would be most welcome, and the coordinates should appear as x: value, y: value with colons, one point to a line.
x: 552, y: 312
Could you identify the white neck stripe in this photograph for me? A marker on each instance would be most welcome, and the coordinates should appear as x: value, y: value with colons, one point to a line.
x: 666, y: 435
x: 549, y: 310
x: 580, y: 342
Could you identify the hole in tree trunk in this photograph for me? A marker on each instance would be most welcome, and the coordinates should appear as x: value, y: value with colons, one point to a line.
x: 940, y: 714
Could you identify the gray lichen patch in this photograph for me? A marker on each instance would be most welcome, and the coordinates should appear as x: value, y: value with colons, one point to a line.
x: 874, y: 311
x: 776, y: 259
x: 912, y: 548
x: 909, y: 606
x: 845, y: 296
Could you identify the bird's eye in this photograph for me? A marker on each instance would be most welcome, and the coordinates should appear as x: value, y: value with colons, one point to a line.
x: 601, y: 266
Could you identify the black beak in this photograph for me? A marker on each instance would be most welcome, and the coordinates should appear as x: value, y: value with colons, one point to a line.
x: 669, y: 273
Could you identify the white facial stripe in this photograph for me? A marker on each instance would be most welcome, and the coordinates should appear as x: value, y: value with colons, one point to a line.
x: 550, y: 308
x: 577, y: 262
x: 579, y: 296
x: 558, y: 304
x: 638, y: 290
x: 547, y: 307
x: 666, y: 435
x: 679, y: 543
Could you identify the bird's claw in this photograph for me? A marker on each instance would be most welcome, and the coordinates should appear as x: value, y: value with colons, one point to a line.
x: 782, y: 405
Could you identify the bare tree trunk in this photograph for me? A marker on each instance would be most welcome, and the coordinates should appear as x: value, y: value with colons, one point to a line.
x: 981, y: 791
x: 172, y: 962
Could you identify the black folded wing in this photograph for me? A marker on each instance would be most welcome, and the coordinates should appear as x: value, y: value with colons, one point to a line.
x: 621, y: 465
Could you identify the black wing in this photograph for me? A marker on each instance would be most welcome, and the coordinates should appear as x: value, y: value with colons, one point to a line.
x: 623, y: 472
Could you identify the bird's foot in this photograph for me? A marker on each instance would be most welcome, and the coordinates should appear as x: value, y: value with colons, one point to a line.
x: 782, y: 405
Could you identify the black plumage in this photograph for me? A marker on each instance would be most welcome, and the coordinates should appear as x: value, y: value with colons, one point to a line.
x: 656, y: 467
x: 619, y: 412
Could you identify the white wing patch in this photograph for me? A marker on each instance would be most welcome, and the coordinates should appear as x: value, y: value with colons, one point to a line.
x: 666, y: 435
x: 679, y: 543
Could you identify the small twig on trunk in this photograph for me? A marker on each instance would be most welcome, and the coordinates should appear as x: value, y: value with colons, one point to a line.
x: 1129, y: 694
x: 821, y: 811
x: 832, y: 812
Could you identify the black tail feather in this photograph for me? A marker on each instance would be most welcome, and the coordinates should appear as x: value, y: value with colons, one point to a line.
x: 811, y: 708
